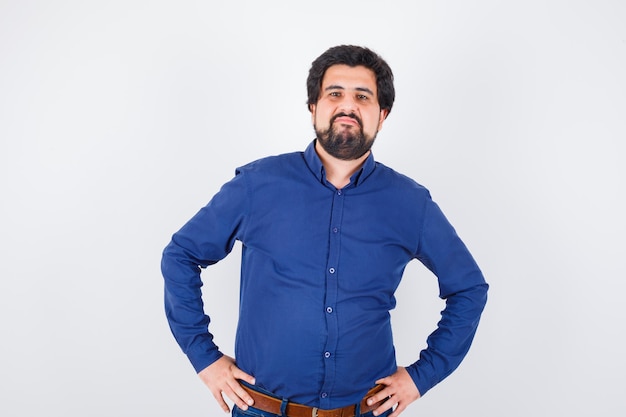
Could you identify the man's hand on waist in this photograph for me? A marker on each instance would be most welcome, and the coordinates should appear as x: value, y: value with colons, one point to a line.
x: 221, y: 378
x: 399, y: 388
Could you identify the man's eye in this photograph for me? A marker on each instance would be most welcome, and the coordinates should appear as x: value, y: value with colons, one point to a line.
x: 335, y: 94
x: 362, y: 97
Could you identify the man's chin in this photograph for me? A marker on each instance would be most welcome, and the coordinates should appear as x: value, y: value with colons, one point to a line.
x: 346, y: 151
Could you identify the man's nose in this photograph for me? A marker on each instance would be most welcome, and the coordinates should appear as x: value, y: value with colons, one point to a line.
x: 348, y: 104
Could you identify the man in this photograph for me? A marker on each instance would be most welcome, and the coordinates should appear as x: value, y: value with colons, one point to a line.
x: 326, y: 235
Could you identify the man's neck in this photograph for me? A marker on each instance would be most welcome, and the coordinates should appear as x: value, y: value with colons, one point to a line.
x: 338, y: 171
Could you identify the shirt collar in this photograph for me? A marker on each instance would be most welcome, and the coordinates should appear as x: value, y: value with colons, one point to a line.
x: 315, y: 165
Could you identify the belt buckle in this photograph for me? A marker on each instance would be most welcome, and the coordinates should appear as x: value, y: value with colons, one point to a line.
x: 314, y: 412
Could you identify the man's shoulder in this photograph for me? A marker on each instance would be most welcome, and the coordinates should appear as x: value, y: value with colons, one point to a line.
x: 400, y: 180
x: 273, y: 163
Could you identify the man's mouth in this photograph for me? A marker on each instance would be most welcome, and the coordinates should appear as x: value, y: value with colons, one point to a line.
x: 346, y: 120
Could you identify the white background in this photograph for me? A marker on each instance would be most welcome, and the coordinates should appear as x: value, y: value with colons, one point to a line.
x: 120, y: 119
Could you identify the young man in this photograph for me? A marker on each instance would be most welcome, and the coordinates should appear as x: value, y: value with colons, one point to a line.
x: 326, y: 235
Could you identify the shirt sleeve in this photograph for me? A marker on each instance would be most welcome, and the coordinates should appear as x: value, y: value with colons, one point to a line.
x: 204, y: 240
x: 461, y: 285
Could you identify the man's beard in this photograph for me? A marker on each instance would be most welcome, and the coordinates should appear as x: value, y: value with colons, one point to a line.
x: 346, y: 143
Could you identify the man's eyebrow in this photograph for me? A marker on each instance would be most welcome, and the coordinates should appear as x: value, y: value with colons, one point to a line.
x: 338, y: 87
x: 365, y: 90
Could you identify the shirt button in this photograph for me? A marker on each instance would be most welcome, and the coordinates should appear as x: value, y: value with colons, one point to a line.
x: 335, y: 229
x: 327, y: 355
x: 324, y: 395
x: 329, y: 309
x: 339, y: 192
x: 331, y: 270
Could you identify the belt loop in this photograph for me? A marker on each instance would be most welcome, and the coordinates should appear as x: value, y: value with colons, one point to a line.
x: 357, y: 409
x: 283, y: 407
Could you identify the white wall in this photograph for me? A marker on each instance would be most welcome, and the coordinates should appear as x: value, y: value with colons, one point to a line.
x: 119, y: 119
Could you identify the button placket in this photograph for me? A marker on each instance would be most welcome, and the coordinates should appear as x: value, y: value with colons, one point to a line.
x: 332, y: 286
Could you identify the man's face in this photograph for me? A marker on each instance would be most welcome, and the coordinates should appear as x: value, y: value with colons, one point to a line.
x: 347, y: 115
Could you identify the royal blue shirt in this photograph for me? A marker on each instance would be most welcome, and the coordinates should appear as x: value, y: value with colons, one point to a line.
x: 319, y: 270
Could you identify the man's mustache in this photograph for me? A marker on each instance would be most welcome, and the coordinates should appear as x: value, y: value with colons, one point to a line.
x: 351, y: 115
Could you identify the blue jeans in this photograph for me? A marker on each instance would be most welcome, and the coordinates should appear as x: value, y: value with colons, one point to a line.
x: 254, y: 412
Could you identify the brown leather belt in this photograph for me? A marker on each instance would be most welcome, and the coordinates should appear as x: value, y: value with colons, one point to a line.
x: 272, y: 405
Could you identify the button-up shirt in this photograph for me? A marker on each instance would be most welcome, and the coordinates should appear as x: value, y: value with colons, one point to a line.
x: 320, y: 266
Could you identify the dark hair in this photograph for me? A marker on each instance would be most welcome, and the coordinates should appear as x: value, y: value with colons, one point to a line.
x: 352, y: 56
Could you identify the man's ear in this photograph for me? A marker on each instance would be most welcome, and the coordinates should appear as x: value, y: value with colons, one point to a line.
x: 312, y: 110
x: 383, y: 115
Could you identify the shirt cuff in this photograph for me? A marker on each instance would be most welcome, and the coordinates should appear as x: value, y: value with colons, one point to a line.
x: 203, y: 356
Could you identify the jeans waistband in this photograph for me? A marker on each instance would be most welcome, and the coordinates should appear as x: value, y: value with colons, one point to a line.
x: 267, y: 404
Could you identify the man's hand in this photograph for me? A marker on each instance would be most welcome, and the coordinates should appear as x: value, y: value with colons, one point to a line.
x: 400, y: 389
x: 221, y: 378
